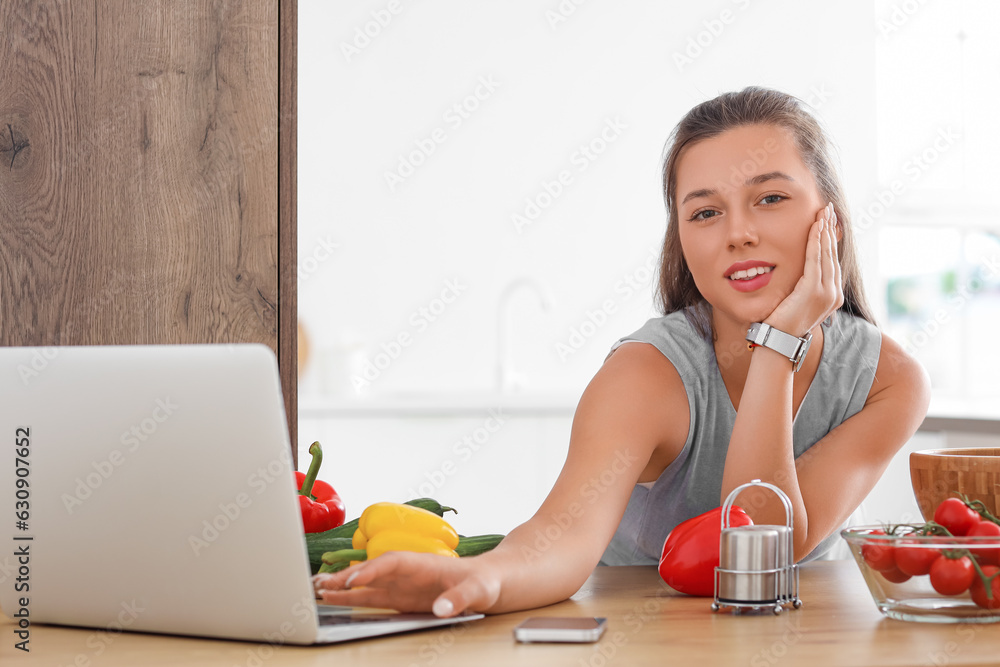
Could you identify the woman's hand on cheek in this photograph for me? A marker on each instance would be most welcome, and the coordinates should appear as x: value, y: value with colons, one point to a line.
x: 819, y: 292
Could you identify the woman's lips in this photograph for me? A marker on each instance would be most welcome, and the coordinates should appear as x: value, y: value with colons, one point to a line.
x: 753, y: 284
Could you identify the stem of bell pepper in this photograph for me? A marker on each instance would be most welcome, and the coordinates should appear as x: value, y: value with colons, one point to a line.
x: 317, y: 460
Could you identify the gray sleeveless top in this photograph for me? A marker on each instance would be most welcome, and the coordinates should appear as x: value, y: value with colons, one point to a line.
x: 692, y: 483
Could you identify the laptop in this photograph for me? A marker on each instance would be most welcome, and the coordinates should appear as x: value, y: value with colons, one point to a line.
x: 158, y: 496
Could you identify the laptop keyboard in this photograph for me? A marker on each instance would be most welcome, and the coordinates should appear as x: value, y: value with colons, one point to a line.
x: 348, y: 619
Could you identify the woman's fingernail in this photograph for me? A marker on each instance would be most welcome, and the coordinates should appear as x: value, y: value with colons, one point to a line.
x: 347, y: 584
x: 443, y: 607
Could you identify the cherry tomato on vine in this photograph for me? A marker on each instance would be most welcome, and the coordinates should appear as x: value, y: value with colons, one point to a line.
x: 978, y: 588
x: 956, y: 516
x: 988, y: 555
x: 952, y: 576
x: 915, y: 560
x: 879, y: 554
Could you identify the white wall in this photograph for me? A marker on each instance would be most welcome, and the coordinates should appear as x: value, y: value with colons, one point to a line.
x: 371, y: 255
x: 556, y: 88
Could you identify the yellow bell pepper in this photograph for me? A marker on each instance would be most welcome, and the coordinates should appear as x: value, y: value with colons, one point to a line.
x: 401, y: 519
x: 398, y: 540
x: 395, y: 527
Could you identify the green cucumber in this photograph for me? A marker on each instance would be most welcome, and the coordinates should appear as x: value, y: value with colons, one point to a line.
x: 343, y: 530
x: 431, y: 505
x: 477, y: 544
x: 318, y: 544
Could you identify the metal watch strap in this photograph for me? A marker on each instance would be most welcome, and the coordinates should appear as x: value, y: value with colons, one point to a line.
x: 793, y: 347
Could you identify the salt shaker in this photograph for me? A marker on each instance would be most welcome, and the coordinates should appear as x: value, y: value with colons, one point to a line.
x: 756, y: 563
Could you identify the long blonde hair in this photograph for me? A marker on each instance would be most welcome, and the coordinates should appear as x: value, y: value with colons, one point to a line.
x: 753, y: 106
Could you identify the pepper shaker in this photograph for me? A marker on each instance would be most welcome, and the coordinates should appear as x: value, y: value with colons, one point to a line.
x: 756, y: 563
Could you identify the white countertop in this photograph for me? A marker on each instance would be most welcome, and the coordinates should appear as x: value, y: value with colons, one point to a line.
x: 981, y: 416
x: 472, y: 403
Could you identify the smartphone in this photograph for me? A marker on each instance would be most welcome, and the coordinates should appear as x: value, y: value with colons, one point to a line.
x: 578, y: 629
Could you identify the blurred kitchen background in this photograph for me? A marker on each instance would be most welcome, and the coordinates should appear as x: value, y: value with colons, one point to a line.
x: 480, y: 214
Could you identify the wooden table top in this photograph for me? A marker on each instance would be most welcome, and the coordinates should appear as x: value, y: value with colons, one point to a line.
x: 648, y: 623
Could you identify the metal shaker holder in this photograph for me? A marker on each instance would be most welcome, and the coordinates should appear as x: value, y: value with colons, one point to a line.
x: 757, y: 566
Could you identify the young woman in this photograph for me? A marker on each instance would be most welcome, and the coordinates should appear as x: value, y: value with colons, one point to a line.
x: 685, y: 409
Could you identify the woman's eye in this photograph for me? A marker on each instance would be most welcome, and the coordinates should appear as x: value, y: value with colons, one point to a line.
x: 699, y: 214
x: 775, y: 199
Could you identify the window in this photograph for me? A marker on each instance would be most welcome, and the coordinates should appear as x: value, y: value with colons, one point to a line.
x: 935, y: 213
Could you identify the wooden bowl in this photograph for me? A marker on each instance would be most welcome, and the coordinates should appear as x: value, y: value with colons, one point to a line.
x: 937, y: 474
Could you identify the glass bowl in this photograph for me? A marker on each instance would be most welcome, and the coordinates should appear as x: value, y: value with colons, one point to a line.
x: 913, y: 597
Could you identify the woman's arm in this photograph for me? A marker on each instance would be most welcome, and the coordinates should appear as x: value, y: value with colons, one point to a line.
x: 835, y: 475
x: 635, y: 403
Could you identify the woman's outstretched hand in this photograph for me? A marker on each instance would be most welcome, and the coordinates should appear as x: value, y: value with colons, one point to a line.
x: 412, y: 582
x: 819, y: 292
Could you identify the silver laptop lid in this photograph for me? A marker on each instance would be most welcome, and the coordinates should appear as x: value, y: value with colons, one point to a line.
x: 159, y: 491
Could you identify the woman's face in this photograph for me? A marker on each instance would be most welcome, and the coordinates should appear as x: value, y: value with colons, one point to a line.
x: 745, y: 199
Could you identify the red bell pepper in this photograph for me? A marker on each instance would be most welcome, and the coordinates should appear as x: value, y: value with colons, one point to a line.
x: 691, y: 551
x: 322, y: 508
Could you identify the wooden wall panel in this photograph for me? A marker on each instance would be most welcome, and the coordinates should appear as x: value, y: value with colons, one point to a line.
x: 287, y: 210
x: 139, y: 173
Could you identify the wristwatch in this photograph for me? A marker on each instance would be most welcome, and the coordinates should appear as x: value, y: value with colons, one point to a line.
x: 793, y: 347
